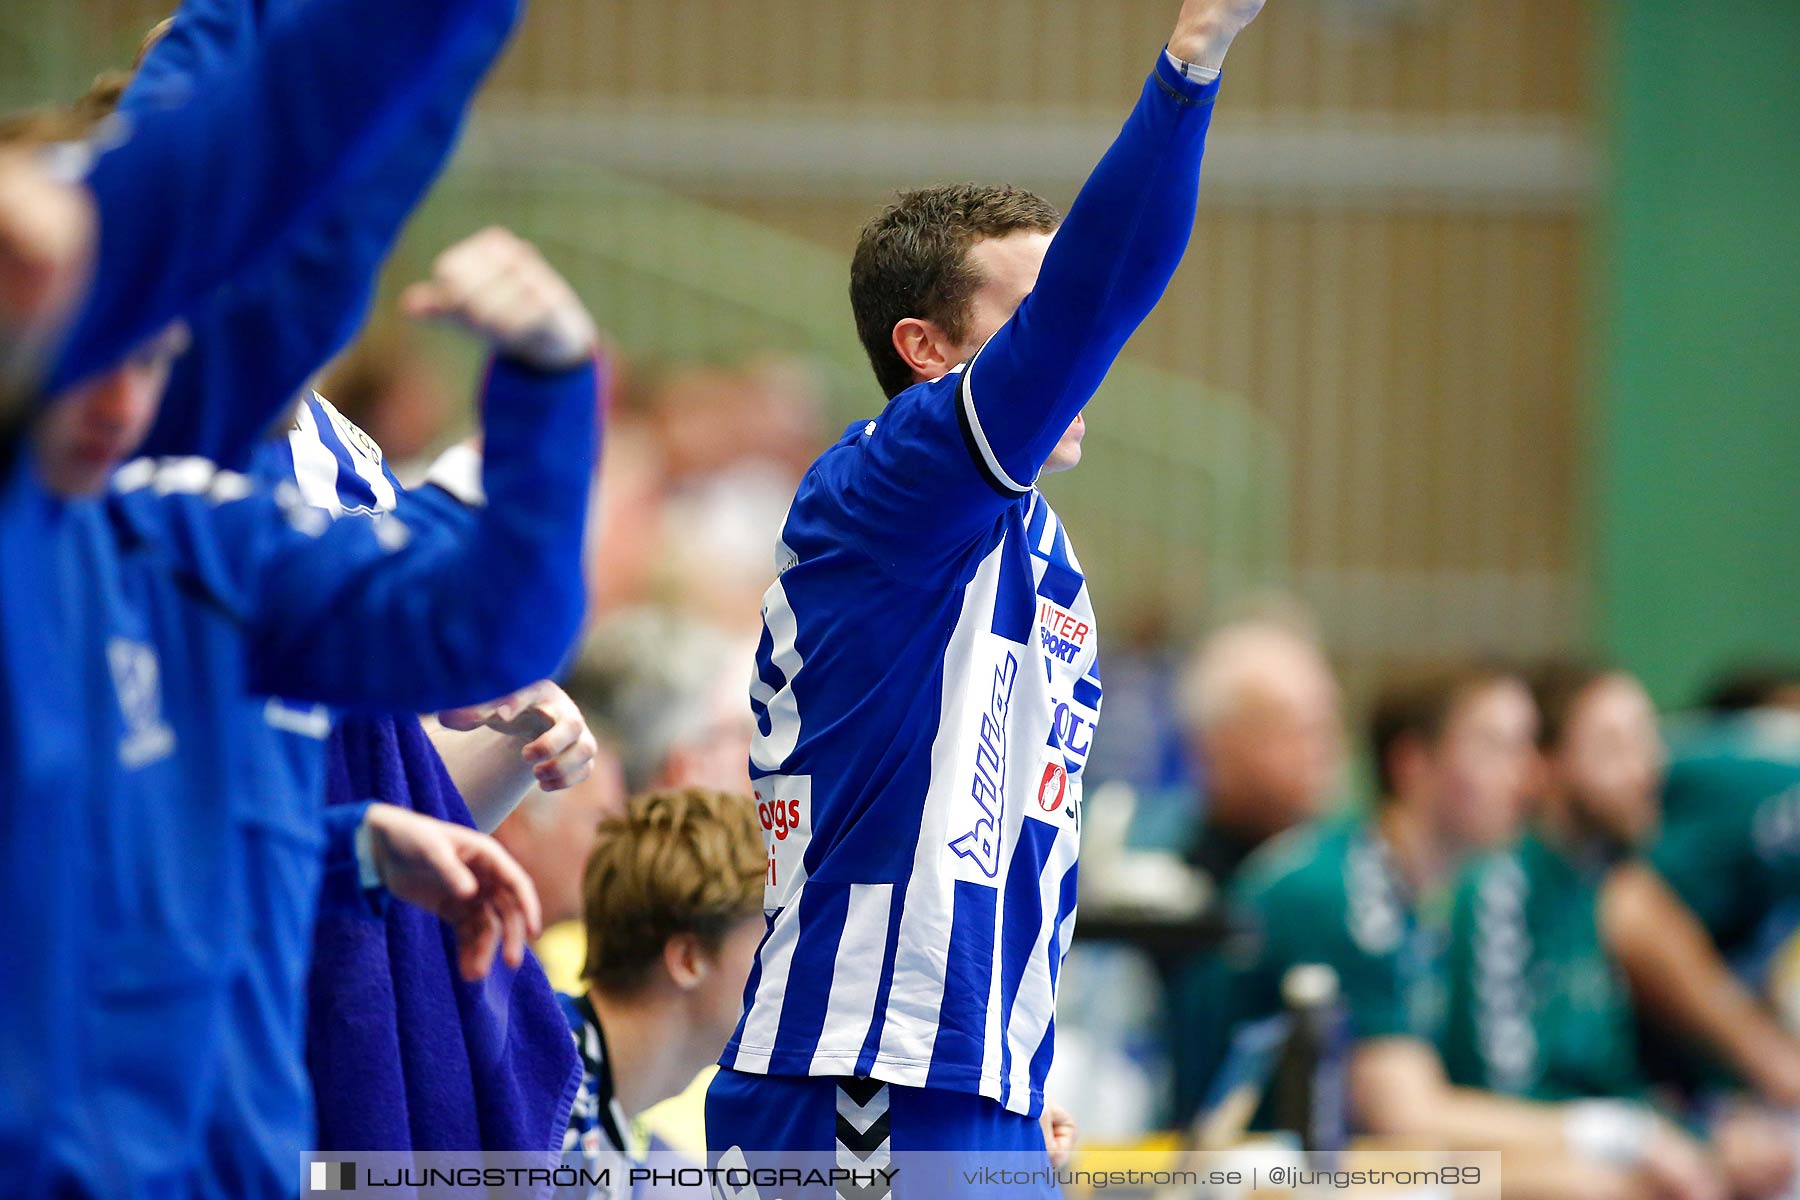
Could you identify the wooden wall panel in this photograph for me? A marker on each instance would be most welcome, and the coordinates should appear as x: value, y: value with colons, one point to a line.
x: 1422, y: 364
x: 1422, y: 57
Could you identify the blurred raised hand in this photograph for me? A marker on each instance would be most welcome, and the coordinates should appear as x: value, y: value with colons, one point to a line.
x: 496, y: 286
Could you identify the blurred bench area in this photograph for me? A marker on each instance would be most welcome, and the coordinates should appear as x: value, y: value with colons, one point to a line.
x: 1484, y: 362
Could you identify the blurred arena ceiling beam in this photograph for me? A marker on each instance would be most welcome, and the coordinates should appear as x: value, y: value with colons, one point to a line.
x: 1451, y: 163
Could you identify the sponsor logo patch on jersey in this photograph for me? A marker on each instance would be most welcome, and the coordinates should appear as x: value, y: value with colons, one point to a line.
x: 784, y: 806
x: 1053, y: 788
x: 987, y: 785
x: 1063, y: 635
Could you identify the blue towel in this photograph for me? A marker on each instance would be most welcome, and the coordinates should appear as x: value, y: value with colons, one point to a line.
x: 404, y: 1055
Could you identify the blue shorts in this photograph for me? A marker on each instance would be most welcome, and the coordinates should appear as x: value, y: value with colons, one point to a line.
x: 941, y: 1143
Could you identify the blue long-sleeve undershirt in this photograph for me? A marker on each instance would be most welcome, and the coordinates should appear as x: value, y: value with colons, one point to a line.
x: 1105, y: 270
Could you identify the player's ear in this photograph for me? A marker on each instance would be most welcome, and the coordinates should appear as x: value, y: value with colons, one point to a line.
x: 686, y: 961
x: 922, y: 346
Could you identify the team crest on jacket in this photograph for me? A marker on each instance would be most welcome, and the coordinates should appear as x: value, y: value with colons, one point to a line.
x: 137, y: 679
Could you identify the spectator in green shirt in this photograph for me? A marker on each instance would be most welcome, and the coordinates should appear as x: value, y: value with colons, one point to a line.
x: 1540, y: 1007
x: 1725, y: 888
x: 1730, y: 846
x: 1455, y: 757
x: 1262, y: 712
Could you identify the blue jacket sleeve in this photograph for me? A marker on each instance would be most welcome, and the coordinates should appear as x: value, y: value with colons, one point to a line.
x: 948, y: 455
x: 351, y: 617
x: 198, y: 192
x: 435, y: 511
x: 203, y: 36
x: 341, y: 890
x: 257, y: 340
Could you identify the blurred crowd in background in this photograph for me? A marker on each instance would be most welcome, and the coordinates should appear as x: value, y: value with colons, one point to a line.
x: 1525, y: 880
x: 1234, y: 779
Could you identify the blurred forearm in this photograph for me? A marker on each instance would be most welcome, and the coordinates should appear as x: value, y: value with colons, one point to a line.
x: 1679, y: 978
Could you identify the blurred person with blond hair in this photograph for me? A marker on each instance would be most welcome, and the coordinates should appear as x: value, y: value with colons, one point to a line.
x: 1263, y: 718
x: 672, y: 903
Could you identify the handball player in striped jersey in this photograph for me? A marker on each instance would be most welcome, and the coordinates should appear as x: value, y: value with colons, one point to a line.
x: 927, y: 684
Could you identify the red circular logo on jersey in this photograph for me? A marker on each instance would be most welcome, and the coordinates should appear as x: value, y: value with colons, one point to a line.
x: 1053, y: 787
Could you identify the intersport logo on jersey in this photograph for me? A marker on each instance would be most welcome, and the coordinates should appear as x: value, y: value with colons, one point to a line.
x: 1062, y: 634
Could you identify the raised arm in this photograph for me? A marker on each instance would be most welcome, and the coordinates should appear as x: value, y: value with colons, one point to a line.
x: 1111, y: 259
x: 256, y: 342
x: 455, y: 617
x: 196, y: 192
x: 202, y: 37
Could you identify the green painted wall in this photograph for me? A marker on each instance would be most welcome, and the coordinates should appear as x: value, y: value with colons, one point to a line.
x: 1697, y: 487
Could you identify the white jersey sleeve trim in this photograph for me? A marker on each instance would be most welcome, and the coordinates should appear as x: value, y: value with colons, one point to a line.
x: 978, y: 437
x: 458, y: 471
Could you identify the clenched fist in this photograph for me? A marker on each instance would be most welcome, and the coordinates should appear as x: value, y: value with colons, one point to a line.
x: 1205, y: 29
x: 498, y: 287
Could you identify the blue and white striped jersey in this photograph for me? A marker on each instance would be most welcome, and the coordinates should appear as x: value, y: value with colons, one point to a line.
x: 336, y: 465
x: 921, y: 887
x: 339, y: 468
x: 927, y: 682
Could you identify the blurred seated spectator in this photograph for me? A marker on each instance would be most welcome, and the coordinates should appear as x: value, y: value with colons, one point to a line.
x: 1367, y: 896
x: 1539, y: 1007
x: 1729, y: 848
x: 669, y: 694
x: 625, y: 527
x: 1263, y: 714
x: 551, y: 833
x: 700, y: 463
x: 672, y: 902
x: 733, y: 443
